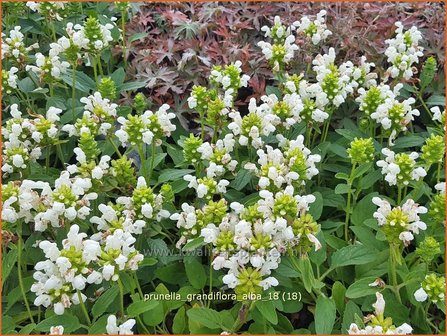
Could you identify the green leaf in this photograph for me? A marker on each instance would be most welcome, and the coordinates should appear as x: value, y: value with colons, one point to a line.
x: 68, y: 321
x: 361, y: 288
x: 436, y: 100
x: 137, y: 36
x: 369, y: 179
x: 105, y: 300
x: 428, y: 72
x: 8, y: 262
x: 349, y: 314
x: 316, y: 208
x: 8, y: 324
x: 173, y: 174
x: 130, y: 86
x: 325, y: 312
x: 273, y: 90
x: 118, y: 76
x: 267, y: 310
x: 243, y: 177
x: 83, y: 82
x: 362, y: 169
x: 193, y: 244
x: 338, y: 294
x: 409, y: 141
x: 26, y: 85
x: 148, y: 262
x: 140, y: 307
x: 99, y: 326
x: 352, y: 255
x: 364, y: 209
x: 195, y: 272
x: 341, y: 188
x: 207, y: 317
x: 179, y: 322
x: 307, y: 273
x: 26, y: 330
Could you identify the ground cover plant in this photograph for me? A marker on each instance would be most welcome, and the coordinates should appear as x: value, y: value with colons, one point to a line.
x: 221, y: 168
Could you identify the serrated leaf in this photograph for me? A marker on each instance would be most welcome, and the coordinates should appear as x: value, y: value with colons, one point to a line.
x: 171, y: 174
x: 267, y: 310
x: 140, y: 307
x: 352, y: 255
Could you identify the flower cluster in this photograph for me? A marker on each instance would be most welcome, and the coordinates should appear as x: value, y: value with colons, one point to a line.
x: 378, y: 324
x: 432, y: 288
x: 403, y: 51
x: 399, y: 223
x: 315, y: 30
x: 147, y: 128
x: 291, y: 164
x: 399, y: 169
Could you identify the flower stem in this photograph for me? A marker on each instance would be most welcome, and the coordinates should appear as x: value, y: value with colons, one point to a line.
x: 95, y: 73
x: 211, y: 275
x: 73, y: 92
x: 348, y: 204
x: 138, y: 285
x: 19, y: 271
x: 399, y: 194
x: 121, y: 287
x: 438, y: 173
x: 117, y: 151
x: 152, y: 161
x: 394, y: 250
x: 123, y: 37
x: 84, y: 309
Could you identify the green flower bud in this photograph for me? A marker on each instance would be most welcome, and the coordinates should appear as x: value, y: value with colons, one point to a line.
x: 282, y: 110
x: 406, y: 165
x: 298, y: 164
x: 9, y: 190
x: 249, y: 282
x: 428, y: 72
x: 142, y: 195
x: 309, y: 107
x: 93, y: 32
x: 122, y: 6
x: 361, y: 151
x: 302, y: 227
x: 397, y: 222
x: 135, y: 128
x: 65, y: 195
x: 214, y: 114
x: 261, y: 242
x: 224, y: 241
x: 295, y: 79
x: 248, y: 122
x: 330, y: 84
x: 140, y: 103
x: 213, y: 213
x: 373, y: 98
x: 278, y: 53
x: 199, y: 98
x: 251, y: 213
x: 436, y: 210
x: 190, y: 146
x: 123, y: 172
x: 434, y: 286
x: 285, y: 206
x: 428, y: 249
x: 87, y: 122
x: 89, y: 146
x: 363, y: 124
x: 434, y: 150
x: 107, y: 88
x: 167, y: 192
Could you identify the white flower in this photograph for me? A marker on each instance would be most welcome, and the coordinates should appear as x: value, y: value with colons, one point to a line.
x: 420, y: 295
x: 316, y: 30
x: 124, y: 329
x: 57, y: 330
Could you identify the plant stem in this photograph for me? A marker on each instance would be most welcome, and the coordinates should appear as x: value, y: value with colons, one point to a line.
x: 19, y: 271
x: 120, y: 285
x: 123, y: 37
x: 73, y: 92
x: 84, y: 309
x: 47, y: 160
x: 202, y: 125
x: 438, y: 173
x: 117, y: 151
x: 95, y: 73
x: 348, y: 204
x: 138, y: 285
x: 394, y: 249
x: 399, y: 194
x: 211, y: 275
x: 99, y: 65
x: 308, y: 135
x: 152, y: 160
